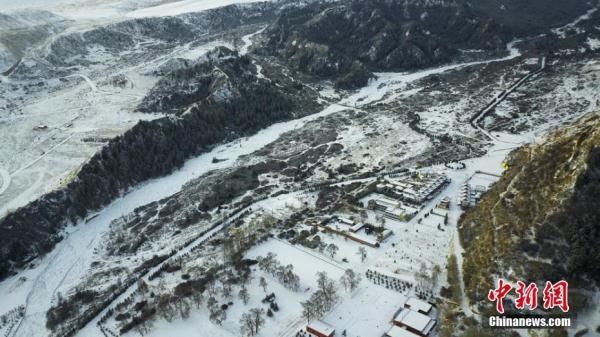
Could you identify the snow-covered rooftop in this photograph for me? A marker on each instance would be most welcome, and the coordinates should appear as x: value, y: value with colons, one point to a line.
x: 356, y: 227
x: 417, y: 305
x: 386, y: 201
x: 397, y: 331
x: 321, y: 327
x: 415, y: 320
x: 364, y: 238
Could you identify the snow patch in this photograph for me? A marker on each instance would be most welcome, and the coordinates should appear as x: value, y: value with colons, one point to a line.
x: 185, y: 6
x: 593, y: 43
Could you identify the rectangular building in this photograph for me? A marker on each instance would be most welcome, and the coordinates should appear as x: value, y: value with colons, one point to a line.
x: 417, y: 305
x: 397, y: 331
x: 414, y: 322
x: 320, y: 329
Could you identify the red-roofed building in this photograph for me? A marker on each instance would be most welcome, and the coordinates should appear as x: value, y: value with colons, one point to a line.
x: 320, y: 329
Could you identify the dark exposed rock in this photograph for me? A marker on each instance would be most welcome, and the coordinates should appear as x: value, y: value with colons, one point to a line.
x: 530, y: 17
x: 344, y: 41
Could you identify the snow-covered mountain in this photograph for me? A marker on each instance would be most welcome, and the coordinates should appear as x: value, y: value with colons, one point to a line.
x: 115, y: 9
x: 155, y: 154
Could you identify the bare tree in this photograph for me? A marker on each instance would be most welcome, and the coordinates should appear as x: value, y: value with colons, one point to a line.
x: 362, y: 252
x: 245, y: 275
x: 165, y: 308
x: 321, y: 279
x: 319, y: 303
x: 211, y: 302
x: 308, y: 310
x: 350, y: 280
x: 345, y: 282
x: 258, y: 317
x: 327, y: 289
x: 247, y: 325
x: 422, y: 276
x: 243, y: 295
x: 332, y: 249
x: 211, y: 287
x: 268, y: 263
x: 217, y: 315
x: 294, y: 282
x: 183, y: 307
x: 227, y: 290
x: 263, y: 283
x: 197, y: 298
x: 251, y: 322
x: 144, y: 326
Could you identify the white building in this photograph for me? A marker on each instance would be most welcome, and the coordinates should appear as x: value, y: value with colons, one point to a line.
x: 414, y: 322
x: 397, y: 331
x: 416, y: 304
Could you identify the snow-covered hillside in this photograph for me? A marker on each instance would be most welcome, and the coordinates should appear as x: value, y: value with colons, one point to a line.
x: 115, y: 9
x: 338, y: 214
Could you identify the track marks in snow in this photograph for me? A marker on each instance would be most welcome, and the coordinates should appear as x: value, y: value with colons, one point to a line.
x: 5, y: 180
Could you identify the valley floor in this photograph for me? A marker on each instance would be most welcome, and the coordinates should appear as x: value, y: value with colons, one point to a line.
x: 375, y: 137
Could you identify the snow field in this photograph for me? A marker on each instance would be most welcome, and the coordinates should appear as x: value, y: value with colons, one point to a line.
x: 106, y: 11
x: 285, y: 322
x: 367, y: 312
x: 180, y: 7
x: 198, y: 323
x: 69, y: 262
x: 76, y: 252
x: 377, y: 143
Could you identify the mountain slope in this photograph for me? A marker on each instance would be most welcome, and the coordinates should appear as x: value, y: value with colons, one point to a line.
x: 22, y: 30
x: 530, y: 17
x: 540, y: 221
x: 346, y: 40
x: 155, y: 148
